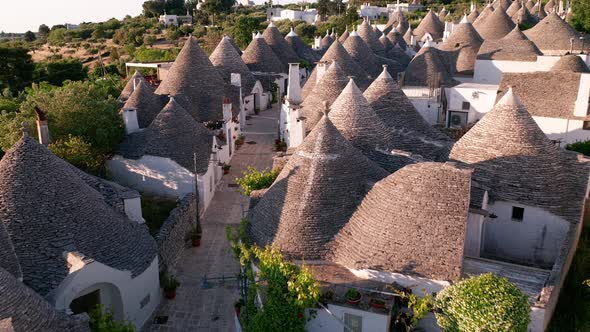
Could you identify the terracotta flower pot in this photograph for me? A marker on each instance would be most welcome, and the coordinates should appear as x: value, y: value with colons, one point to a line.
x: 354, y: 301
x: 170, y: 294
x: 196, y: 242
x: 377, y: 304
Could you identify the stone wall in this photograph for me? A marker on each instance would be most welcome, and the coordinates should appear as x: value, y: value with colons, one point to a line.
x: 172, y: 238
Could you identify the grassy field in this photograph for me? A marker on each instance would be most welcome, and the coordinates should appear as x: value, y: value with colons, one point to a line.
x: 155, y: 211
x: 573, y: 308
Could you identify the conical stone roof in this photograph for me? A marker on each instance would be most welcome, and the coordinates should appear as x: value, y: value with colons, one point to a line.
x: 396, y: 38
x: 363, y: 128
x: 273, y: 37
x: 410, y: 131
x: 195, y: 82
x: 338, y: 53
x: 550, y: 6
x: 146, y: 102
x: 540, y: 12
x: 523, y: 16
x: 503, y: 4
x: 49, y: 211
x: 228, y: 61
x: 552, y: 36
x: 442, y: 14
x: 473, y: 15
x: 571, y: 63
x: 487, y: 11
x: 365, y: 32
x: 427, y: 68
x: 514, y: 8
x: 8, y: 259
x: 344, y: 35
x: 495, y: 26
x: 408, y: 36
x: 314, y: 195
x: 396, y: 18
x: 430, y: 24
x: 130, y: 86
x: 259, y: 57
x: 173, y: 134
x: 302, y: 50
x: 529, y: 4
x: 513, y: 157
x: 361, y: 53
x: 420, y: 214
x: 325, y: 93
x: 326, y: 41
x: 513, y: 47
x: 21, y: 309
x: 398, y: 55
x: 462, y: 47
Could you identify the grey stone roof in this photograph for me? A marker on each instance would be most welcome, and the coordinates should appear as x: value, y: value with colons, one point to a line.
x: 553, y: 34
x: 363, y: 128
x: 571, y: 63
x: 147, y: 103
x: 227, y: 60
x: 412, y: 222
x: 495, y: 26
x: 431, y: 24
x: 473, y: 15
x: 363, y: 55
x: 128, y: 89
x: 48, y: 210
x: 326, y: 41
x: 461, y: 47
x: 515, y: 46
x: 337, y: 53
x: 523, y: 16
x: 408, y: 36
x: 173, y: 134
x: 195, y: 83
x: 397, y: 38
x: 503, y: 4
x: 411, y: 132
x: 513, y: 157
x: 259, y: 57
x: 549, y: 6
x: 272, y: 36
x: 343, y: 36
x: 529, y: 4
x: 547, y: 94
x: 397, y: 54
x: 485, y: 13
x: 302, y: 50
x: 329, y: 88
x: 514, y: 8
x: 397, y: 18
x: 443, y: 13
x: 426, y: 67
x: 366, y: 33
x: 314, y: 195
x: 23, y: 310
x: 8, y: 259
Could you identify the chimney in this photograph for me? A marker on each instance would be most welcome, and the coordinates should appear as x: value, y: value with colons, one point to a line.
x: 130, y: 120
x: 42, y: 128
x: 227, y: 115
x: 294, y: 87
x: 321, y: 70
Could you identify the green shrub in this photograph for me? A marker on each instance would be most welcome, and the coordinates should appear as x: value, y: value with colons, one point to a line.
x: 582, y: 147
x: 155, y: 211
x: 102, y: 320
x: 77, y: 152
x: 483, y: 303
x: 254, y: 179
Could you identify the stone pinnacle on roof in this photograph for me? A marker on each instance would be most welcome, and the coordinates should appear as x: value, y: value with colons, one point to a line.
x: 366, y: 33
x: 473, y: 15
x: 430, y: 24
x: 399, y: 216
x: 461, y: 47
x: 495, y: 26
x: 146, y: 102
x: 130, y: 86
x: 227, y: 60
x: 314, y: 195
x: 427, y: 68
x: 514, y: 8
x: 259, y: 57
x: 506, y: 147
x: 571, y: 63
x: 338, y: 53
x: 277, y: 43
x: 75, y: 218
x: 195, y: 82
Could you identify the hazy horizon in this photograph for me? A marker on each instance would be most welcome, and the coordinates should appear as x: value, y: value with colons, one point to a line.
x: 20, y: 16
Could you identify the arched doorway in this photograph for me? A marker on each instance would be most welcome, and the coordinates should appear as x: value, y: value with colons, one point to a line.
x: 103, y: 293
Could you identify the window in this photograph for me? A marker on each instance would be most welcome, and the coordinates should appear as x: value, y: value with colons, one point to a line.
x: 517, y: 213
x: 465, y: 106
x: 586, y: 125
x: 354, y: 323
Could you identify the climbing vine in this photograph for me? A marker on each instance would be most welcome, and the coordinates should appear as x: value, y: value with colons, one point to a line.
x: 287, y: 288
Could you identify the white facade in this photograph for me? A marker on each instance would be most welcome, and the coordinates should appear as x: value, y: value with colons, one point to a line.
x: 469, y: 102
x: 175, y: 20
x: 325, y: 321
x: 375, y: 12
x: 131, y: 299
x: 426, y: 102
x: 278, y: 14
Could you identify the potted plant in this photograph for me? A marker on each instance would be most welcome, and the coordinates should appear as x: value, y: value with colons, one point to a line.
x: 377, y: 303
x: 326, y: 296
x: 226, y: 168
x: 195, y: 235
x: 169, y: 284
x: 353, y: 296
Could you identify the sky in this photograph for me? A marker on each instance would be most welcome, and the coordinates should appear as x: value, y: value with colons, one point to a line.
x: 23, y: 15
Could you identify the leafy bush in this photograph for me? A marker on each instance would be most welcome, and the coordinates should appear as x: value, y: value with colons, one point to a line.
x: 155, y: 211
x: 144, y: 54
x: 77, y: 152
x: 483, y: 303
x: 254, y: 179
x: 582, y: 147
x: 102, y: 320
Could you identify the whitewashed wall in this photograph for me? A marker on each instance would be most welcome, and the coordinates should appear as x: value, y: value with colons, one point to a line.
x: 427, y: 106
x: 324, y: 322
x: 134, y: 299
x: 534, y: 240
x: 565, y: 130
x: 481, y: 97
x: 417, y: 284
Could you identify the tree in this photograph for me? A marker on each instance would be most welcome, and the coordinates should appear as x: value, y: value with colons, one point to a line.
x: 16, y: 69
x: 153, y: 8
x: 243, y: 28
x: 57, y: 72
x: 323, y: 7
x: 581, y: 19
x: 43, y: 32
x: 483, y: 303
x: 57, y: 37
x: 29, y: 36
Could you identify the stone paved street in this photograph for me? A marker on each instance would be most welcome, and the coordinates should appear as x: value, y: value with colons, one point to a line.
x: 195, y: 308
